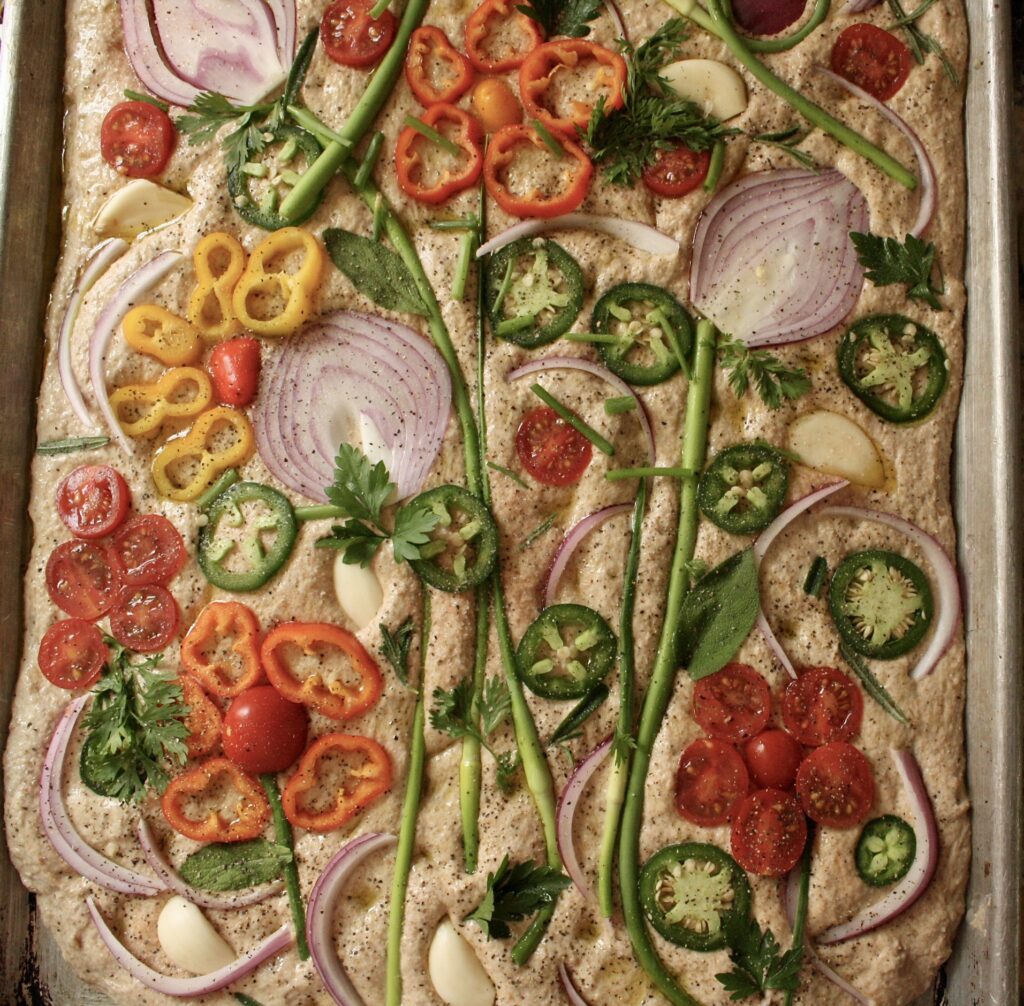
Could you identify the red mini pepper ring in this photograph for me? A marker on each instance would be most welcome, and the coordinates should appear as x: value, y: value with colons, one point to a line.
x: 203, y: 721
x: 431, y: 55
x: 336, y: 698
x: 411, y: 166
x: 479, y: 28
x: 576, y: 170
x: 366, y: 780
x: 218, y: 622
x: 249, y: 816
x: 540, y: 66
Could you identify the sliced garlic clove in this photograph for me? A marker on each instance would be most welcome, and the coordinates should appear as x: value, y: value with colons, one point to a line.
x: 457, y: 975
x: 139, y: 206
x: 718, y: 89
x: 833, y: 444
x: 189, y: 940
x: 359, y: 592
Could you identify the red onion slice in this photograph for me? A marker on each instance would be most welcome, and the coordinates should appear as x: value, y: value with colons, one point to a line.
x: 567, y: 811
x: 67, y: 843
x: 764, y: 542
x: 947, y: 592
x: 320, y: 915
x: 773, y: 262
x: 859, y: 6
x: 617, y: 20
x: 99, y: 261
x: 596, y: 370
x: 200, y: 985
x: 643, y: 237
x: 204, y: 899
x: 922, y: 870
x: 572, y: 993
x: 128, y: 294
x: 929, y: 184
x: 767, y: 17
x: 573, y: 540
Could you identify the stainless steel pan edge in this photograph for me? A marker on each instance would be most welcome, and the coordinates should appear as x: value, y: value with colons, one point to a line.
x: 985, y: 967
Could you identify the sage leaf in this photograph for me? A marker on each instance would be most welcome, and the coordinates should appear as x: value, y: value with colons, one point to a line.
x: 235, y: 866
x: 375, y: 271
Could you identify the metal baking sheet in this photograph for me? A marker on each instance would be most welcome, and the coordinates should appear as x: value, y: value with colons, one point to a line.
x: 985, y: 967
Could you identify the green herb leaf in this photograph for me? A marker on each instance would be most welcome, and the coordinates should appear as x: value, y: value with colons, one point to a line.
x: 871, y: 684
x: 717, y: 615
x: 299, y: 69
x: 508, y: 473
x: 394, y: 648
x: 515, y: 892
x: 537, y: 532
x: 495, y: 705
x: 452, y: 711
x: 508, y: 763
x: 888, y: 262
x: 375, y: 271
x: 147, y: 98
x: 563, y: 17
x: 773, y: 380
x: 360, y: 489
x: 758, y: 964
x: 236, y: 865
x: 919, y: 42
x: 69, y: 445
x: 356, y: 540
x: 788, y: 140
x: 412, y: 530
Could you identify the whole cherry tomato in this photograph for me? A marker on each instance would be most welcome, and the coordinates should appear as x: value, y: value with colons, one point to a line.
x: 263, y: 731
x: 773, y: 757
x: 235, y: 369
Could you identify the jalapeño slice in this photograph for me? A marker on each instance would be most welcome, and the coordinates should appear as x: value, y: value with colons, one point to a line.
x: 744, y: 488
x: 885, y: 850
x: 565, y: 652
x: 463, y: 545
x: 653, y: 332
x: 692, y: 894
x: 249, y: 533
x: 881, y: 603
x: 533, y: 291
x: 895, y: 366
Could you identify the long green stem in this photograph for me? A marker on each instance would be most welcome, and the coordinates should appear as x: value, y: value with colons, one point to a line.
x: 787, y: 42
x: 283, y: 836
x: 659, y: 691
x: 800, y: 922
x: 407, y: 831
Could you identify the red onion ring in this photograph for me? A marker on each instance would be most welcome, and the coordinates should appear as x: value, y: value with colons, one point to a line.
x: 320, y: 915
x: 922, y: 870
x: 57, y: 826
x: 617, y: 20
x: 596, y: 370
x: 573, y: 540
x: 567, y: 811
x: 859, y: 6
x: 643, y: 237
x: 127, y: 295
x: 200, y: 985
x: 798, y: 219
x: 764, y: 542
x: 204, y: 899
x: 947, y: 593
x: 99, y: 261
x: 572, y: 993
x: 929, y: 183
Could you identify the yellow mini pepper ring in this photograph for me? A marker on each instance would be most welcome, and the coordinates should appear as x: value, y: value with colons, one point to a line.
x: 219, y: 263
x: 181, y: 393
x: 161, y: 334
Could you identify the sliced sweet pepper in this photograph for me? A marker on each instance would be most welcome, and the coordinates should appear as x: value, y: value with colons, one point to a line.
x: 203, y: 721
x: 427, y: 183
x: 536, y: 200
x: 219, y: 262
x: 180, y: 393
x: 482, y: 32
x: 367, y: 776
x: 157, y: 332
x: 221, y: 650
x: 435, y: 69
x: 244, y: 820
x: 334, y: 697
x: 270, y: 299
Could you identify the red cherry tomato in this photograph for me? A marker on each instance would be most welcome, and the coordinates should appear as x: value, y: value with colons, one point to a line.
x: 263, y: 731
x: 873, y: 59
x: 677, y: 171
x: 769, y: 832
x: 235, y: 369
x: 822, y: 705
x: 732, y: 704
x: 93, y: 500
x: 136, y: 139
x: 352, y: 37
x: 836, y: 785
x: 773, y: 757
x: 72, y: 653
x: 550, y: 449
x: 710, y: 779
x: 144, y: 618
x: 767, y: 17
x: 81, y: 580
x: 148, y: 549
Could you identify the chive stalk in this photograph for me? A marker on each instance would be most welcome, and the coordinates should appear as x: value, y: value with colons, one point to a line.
x: 715, y: 166
x: 283, y: 836
x: 621, y: 474
x: 319, y: 512
x: 457, y: 224
x: 603, y: 445
x: 370, y: 158
x: 803, y: 896
x: 549, y: 141
x: 429, y: 133
x: 503, y: 289
x: 508, y: 473
x: 620, y: 405
x: 605, y: 338
x: 509, y: 326
x: 309, y: 122
x: 540, y: 529
x: 229, y: 478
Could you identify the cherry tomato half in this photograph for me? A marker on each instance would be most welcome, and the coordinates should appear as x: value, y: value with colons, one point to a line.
x: 144, y: 618
x: 352, y: 37
x: 710, y: 779
x: 235, y: 369
x: 263, y: 731
x: 773, y: 757
x: 550, y: 449
x: 873, y: 59
x: 677, y: 171
x: 72, y: 653
x: 822, y: 705
x: 81, y: 580
x: 769, y: 832
x: 732, y: 704
x: 148, y: 549
x: 136, y: 139
x: 93, y: 500
x: 836, y: 785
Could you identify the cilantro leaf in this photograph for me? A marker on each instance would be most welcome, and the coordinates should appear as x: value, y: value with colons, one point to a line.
x: 495, y: 705
x: 758, y: 964
x: 772, y: 380
x: 412, y: 529
x: 452, y: 712
x: 394, y: 648
x: 507, y: 766
x: 360, y: 489
x: 563, y: 17
x: 912, y: 262
x: 515, y: 892
x: 358, y: 542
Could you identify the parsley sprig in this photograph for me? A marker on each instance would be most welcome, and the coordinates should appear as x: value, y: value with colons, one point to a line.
x: 759, y: 965
x: 771, y: 378
x: 911, y: 262
x: 515, y: 891
x: 563, y: 17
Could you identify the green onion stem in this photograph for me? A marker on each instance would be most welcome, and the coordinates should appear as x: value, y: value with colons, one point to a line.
x: 318, y: 512
x: 458, y: 224
x: 429, y: 133
x: 377, y: 227
x: 617, y: 406
x: 621, y: 474
x: 803, y: 896
x: 549, y: 141
x: 467, y: 251
x: 509, y: 326
x: 312, y: 124
x: 600, y: 337
x: 379, y: 7
x: 714, y: 175
x: 229, y: 478
x: 370, y: 158
x: 506, y: 284
x: 283, y: 836
x: 604, y: 446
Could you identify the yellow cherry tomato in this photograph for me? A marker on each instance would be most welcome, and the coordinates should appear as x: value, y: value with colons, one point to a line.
x: 495, y: 104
